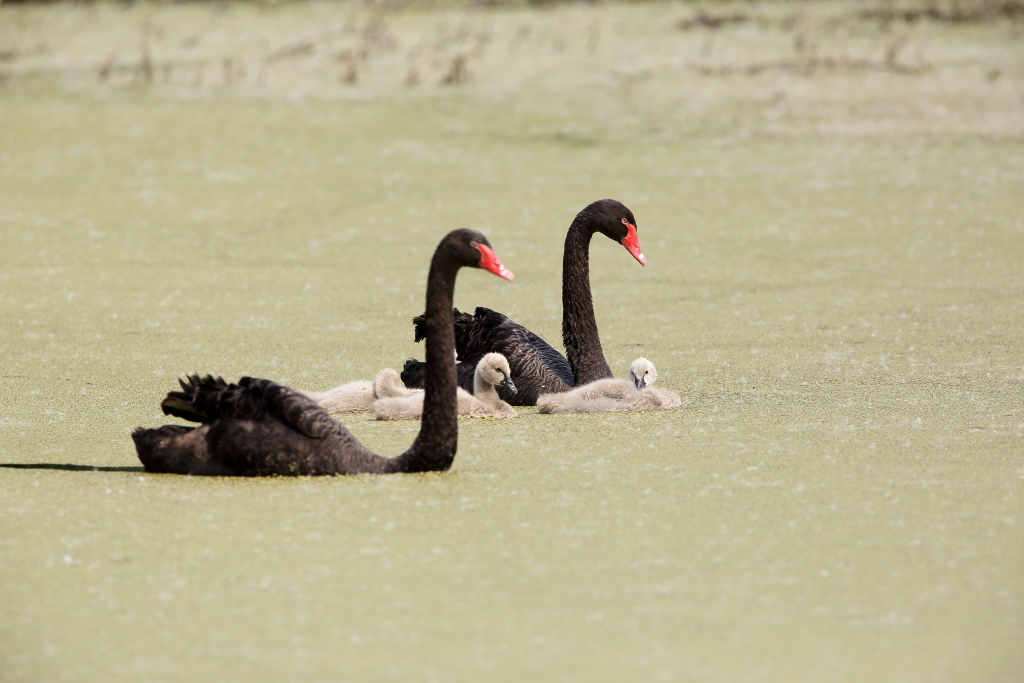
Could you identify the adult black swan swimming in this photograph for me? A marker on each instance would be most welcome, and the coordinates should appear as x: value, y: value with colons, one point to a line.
x: 537, y: 367
x: 259, y: 427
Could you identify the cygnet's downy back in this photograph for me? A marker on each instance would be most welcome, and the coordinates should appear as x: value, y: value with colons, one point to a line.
x: 614, y: 395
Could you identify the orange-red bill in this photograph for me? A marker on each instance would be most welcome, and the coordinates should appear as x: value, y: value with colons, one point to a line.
x: 489, y: 261
x: 632, y: 244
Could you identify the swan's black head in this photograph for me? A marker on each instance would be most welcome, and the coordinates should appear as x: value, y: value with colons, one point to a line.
x: 614, y: 220
x: 470, y: 248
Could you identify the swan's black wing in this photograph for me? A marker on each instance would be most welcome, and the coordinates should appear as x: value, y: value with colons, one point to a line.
x: 493, y: 331
x: 414, y: 371
x: 256, y: 427
x: 293, y: 408
x: 208, y: 399
x: 464, y: 325
x: 537, y: 368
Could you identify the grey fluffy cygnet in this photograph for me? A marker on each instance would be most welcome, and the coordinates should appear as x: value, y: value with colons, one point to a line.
x: 614, y: 395
x: 492, y: 371
x: 358, y: 396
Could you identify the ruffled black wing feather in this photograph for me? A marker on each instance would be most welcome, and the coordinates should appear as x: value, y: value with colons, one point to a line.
x: 207, y: 399
x: 537, y: 368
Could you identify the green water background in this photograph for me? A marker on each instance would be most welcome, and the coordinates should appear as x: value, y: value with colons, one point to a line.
x: 834, y: 286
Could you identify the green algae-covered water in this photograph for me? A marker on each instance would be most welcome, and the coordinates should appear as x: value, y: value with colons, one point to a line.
x: 834, y: 286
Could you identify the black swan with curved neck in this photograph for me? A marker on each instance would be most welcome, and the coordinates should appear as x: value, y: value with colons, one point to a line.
x: 536, y: 366
x: 258, y: 427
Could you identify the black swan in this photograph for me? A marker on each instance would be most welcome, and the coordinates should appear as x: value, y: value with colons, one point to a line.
x: 614, y: 395
x: 259, y: 427
x: 492, y: 371
x: 358, y: 396
x: 537, y: 367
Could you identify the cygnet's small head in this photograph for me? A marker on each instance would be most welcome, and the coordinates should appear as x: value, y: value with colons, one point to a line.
x: 642, y: 373
x: 494, y: 369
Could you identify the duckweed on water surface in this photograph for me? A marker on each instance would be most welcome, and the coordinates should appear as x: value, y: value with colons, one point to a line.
x: 830, y: 208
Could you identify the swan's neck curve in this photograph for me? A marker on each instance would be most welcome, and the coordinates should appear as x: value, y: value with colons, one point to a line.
x: 579, y: 324
x: 435, y: 445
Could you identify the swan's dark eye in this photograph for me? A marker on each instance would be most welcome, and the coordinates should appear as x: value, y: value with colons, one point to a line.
x: 625, y: 222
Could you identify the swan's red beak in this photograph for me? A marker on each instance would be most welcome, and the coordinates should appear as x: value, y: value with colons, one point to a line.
x: 489, y: 261
x: 632, y: 243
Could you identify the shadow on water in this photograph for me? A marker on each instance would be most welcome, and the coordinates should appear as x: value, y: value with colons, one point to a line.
x: 67, y: 467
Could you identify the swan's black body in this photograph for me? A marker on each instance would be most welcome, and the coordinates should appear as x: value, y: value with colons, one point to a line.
x: 258, y: 427
x: 536, y: 366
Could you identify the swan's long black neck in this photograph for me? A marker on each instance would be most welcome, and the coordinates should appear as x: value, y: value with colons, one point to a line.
x: 579, y: 324
x: 435, y: 445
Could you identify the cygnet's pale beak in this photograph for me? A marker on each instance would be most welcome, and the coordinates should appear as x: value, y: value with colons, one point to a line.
x: 509, y: 384
x: 640, y: 382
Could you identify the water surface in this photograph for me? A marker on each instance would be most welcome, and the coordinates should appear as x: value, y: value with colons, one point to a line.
x: 837, y: 295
